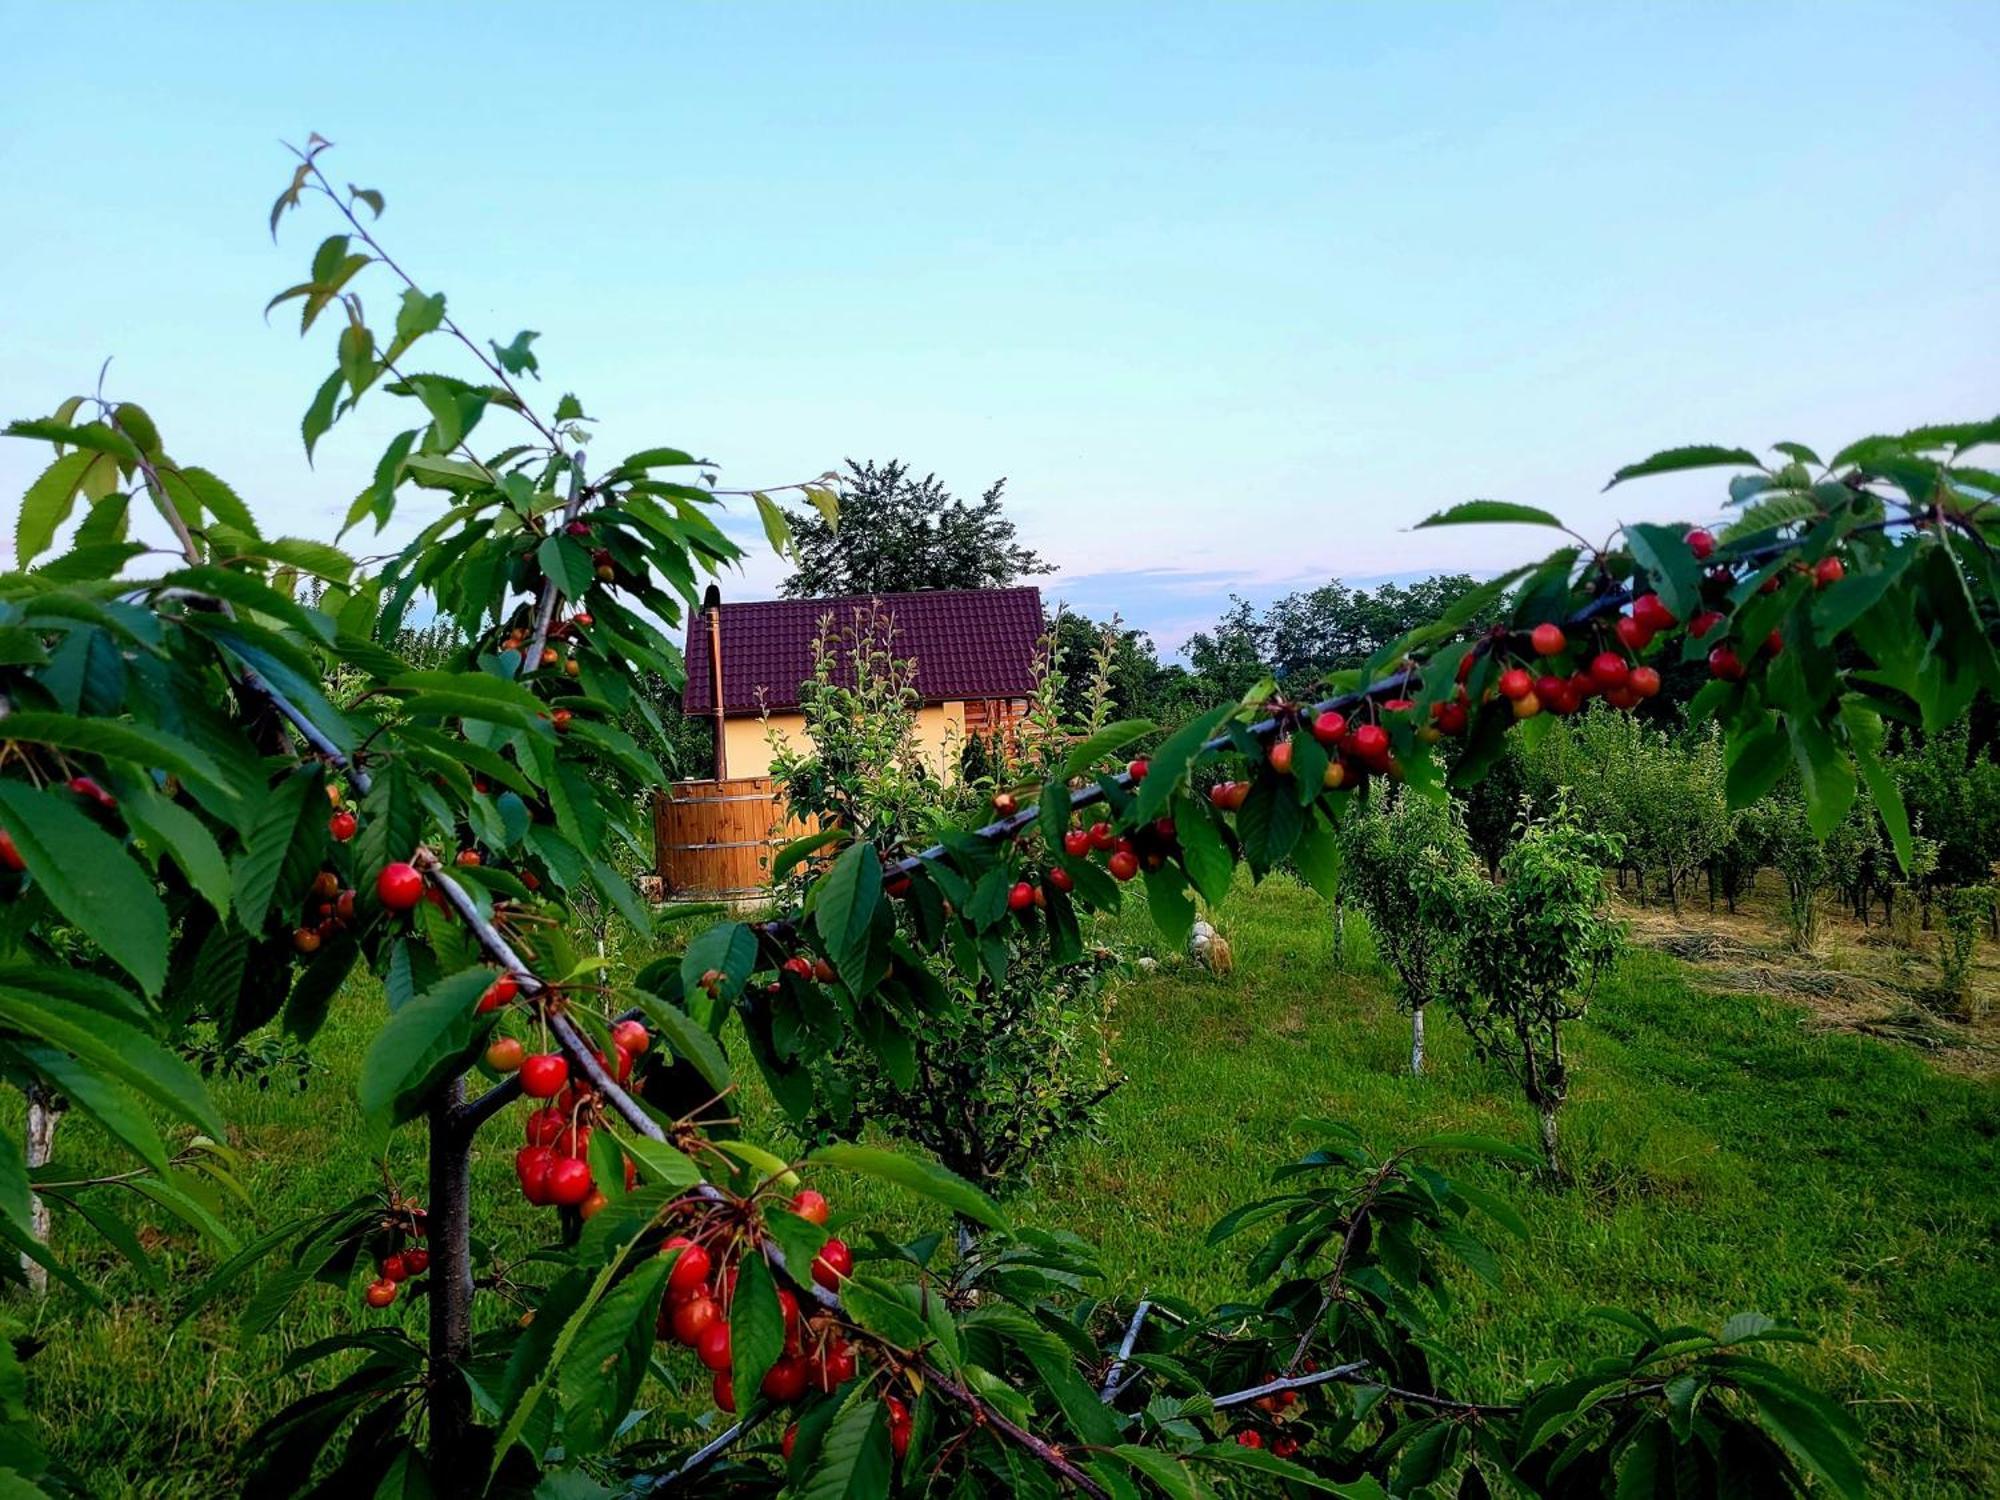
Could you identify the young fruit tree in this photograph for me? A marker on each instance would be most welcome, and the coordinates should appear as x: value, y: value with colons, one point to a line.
x: 1535, y: 945
x: 294, y: 798
x: 1413, y: 872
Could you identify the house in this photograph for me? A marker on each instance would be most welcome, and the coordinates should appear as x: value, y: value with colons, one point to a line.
x: 975, y: 652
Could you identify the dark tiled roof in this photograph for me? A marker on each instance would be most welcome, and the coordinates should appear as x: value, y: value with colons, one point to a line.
x: 968, y: 643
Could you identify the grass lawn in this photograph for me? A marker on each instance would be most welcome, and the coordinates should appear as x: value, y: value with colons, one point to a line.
x: 1726, y: 1157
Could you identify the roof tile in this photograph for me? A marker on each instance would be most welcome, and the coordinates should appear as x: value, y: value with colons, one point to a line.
x: 967, y: 643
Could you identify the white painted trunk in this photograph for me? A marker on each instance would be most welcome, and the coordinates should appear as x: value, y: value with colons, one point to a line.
x: 42, y: 1118
x: 1417, y: 1041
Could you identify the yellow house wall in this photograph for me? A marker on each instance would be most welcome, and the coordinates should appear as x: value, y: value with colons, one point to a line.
x: 940, y: 735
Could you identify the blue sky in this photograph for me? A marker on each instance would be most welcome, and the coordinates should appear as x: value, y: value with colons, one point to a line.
x: 1233, y: 294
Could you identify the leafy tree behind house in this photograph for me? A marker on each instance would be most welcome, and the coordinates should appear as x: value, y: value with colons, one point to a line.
x: 897, y: 534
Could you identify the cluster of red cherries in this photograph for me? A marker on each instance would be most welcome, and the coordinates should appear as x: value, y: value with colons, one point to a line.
x: 402, y: 1263
x: 1148, y: 846
x: 329, y: 910
x: 554, y: 1166
x: 817, y: 1356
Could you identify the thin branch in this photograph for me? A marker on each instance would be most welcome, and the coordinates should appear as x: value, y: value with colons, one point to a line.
x: 1112, y: 1384
x: 985, y: 1415
x: 545, y: 607
x: 706, y: 1454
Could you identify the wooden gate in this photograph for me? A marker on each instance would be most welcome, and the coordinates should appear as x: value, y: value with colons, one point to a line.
x: 715, y: 839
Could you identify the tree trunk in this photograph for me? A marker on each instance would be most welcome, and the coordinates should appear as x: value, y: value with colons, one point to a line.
x: 1339, y: 931
x: 44, y: 1111
x: 1417, y: 1041
x: 1673, y: 894
x: 448, y: 1224
x: 1549, y: 1142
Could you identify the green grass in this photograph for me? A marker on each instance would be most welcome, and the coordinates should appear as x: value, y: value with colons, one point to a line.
x: 1725, y: 1158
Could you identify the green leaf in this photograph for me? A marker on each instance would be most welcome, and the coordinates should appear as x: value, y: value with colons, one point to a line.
x: 567, y: 565
x: 119, y: 739
x: 105, y: 1101
x: 89, y: 878
x: 167, y: 828
x: 1798, y: 452
x: 1316, y: 856
x: 1674, y: 460
x: 1826, y: 771
x: 46, y: 505
x: 290, y: 812
x: 1086, y: 753
x: 319, y: 415
x: 1168, y: 900
x: 1815, y: 1432
x: 516, y: 358
x: 777, y: 530
x: 660, y: 1164
x: 756, y: 1328
x: 855, y: 1460
x: 1668, y: 562
x: 1477, y: 512
x: 111, y: 1046
x: 1262, y: 1461
x: 803, y: 848
x: 926, y: 1178
x: 689, y: 1041
x: 600, y: 1378
x: 1864, y: 739
x: 657, y: 458
x: 1755, y: 760
x: 846, y: 897
x: 436, y: 1026
x: 1168, y: 764
x: 217, y: 498
x: 95, y: 436
x: 1203, y: 854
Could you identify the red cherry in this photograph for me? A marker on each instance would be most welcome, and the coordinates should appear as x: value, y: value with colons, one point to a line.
x: 1450, y: 718
x: 712, y: 1348
x: 1101, y: 836
x: 342, y: 825
x: 834, y: 1367
x: 1123, y: 865
x: 543, y: 1075
x: 1060, y: 879
x: 1644, y: 682
x: 380, y: 1293
x: 498, y: 993
x: 723, y: 1387
x: 393, y: 1268
x: 1609, y: 670
x: 785, y: 1381
x: 1651, y: 611
x: 1724, y: 663
x: 1076, y: 843
x: 1703, y: 623
x: 789, y: 1441
x: 1281, y: 757
x: 1371, y: 743
x: 1137, y: 771
x: 1633, y: 633
x: 572, y: 1141
x: 899, y: 1426
x: 531, y: 1167
x: 9, y: 855
x: 1547, y: 639
x: 788, y: 1305
x: 1622, y: 697
x: 690, y: 1269
x: 505, y: 1055
x: 1515, y: 683
x: 1582, y: 684
x: 1547, y: 687
x: 1565, y: 700
x: 1775, y: 641
x: 1021, y: 897
x: 1828, y: 571
x: 1285, y: 1447
x: 416, y: 1262
x: 693, y: 1318
x: 1004, y: 804
x: 1250, y: 1437
x: 810, y: 1205
x: 832, y: 1265
x: 631, y: 1037
x: 1701, y: 544
x: 1330, y: 728
x: 399, y: 887
x: 799, y: 968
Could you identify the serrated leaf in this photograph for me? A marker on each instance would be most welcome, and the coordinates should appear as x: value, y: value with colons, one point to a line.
x: 1168, y: 764
x: 608, y: 1359
x: 90, y: 878
x: 1203, y: 854
x: 288, y: 812
x: 1674, y: 460
x: 1086, y: 753
x: 46, y: 505
x: 919, y: 1176
x: 846, y: 897
x: 1490, y: 512
x: 756, y: 1328
x: 433, y: 1027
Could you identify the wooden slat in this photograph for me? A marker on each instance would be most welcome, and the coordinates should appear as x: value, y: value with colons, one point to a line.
x: 716, y: 838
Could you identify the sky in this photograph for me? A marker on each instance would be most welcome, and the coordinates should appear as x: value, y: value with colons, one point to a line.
x: 1233, y: 294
